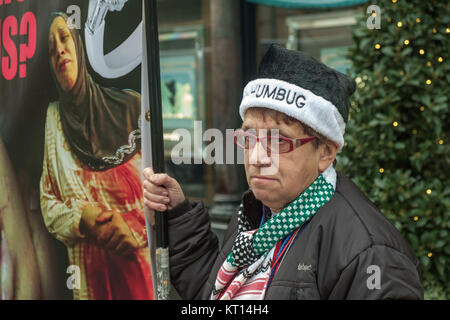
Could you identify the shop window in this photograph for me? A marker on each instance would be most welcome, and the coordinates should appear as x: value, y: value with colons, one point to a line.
x: 324, y: 34
x: 182, y: 62
x: 183, y: 101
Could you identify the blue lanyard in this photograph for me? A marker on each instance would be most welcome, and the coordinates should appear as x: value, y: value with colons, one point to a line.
x: 283, y: 245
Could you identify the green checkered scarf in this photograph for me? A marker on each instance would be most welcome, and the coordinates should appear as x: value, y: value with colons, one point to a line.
x: 248, y: 246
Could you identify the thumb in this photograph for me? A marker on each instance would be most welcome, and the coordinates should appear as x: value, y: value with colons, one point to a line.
x: 105, y: 216
x: 148, y: 172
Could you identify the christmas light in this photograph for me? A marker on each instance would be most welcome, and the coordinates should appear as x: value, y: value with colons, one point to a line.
x: 395, y: 124
x: 377, y: 46
x: 447, y: 30
x: 406, y: 42
x: 422, y: 52
x: 440, y: 59
x: 429, y: 63
x: 428, y: 82
x: 399, y: 24
x: 441, y: 141
x: 422, y: 108
x: 394, y: 1
x: 418, y: 20
x: 429, y: 191
x: 381, y: 170
x: 434, y: 30
x: 430, y: 254
x: 416, y: 218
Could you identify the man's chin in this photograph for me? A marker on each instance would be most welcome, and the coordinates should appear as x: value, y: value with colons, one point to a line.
x: 264, y: 195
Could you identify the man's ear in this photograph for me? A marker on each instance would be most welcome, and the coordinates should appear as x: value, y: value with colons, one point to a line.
x: 328, y: 152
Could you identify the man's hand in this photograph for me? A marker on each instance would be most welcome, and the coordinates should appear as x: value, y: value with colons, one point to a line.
x: 114, y: 234
x: 161, y: 192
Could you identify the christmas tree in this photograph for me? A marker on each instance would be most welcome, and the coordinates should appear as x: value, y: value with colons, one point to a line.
x: 397, y: 138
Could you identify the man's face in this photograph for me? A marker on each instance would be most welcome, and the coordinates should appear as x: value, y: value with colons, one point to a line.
x: 294, y: 171
x: 63, y: 54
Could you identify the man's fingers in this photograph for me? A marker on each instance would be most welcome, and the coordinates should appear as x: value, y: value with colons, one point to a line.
x: 152, y: 188
x: 163, y: 179
x: 148, y: 172
x: 156, y: 198
x: 155, y: 206
x: 161, y: 189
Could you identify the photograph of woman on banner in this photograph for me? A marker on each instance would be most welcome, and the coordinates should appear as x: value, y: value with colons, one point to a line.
x: 91, y: 190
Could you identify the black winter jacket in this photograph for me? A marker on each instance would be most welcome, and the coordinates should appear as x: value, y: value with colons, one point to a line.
x: 339, y: 254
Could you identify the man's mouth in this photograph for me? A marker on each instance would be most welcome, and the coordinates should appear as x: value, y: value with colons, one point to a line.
x: 262, y: 179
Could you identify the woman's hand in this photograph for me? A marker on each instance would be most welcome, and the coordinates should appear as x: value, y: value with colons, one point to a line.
x: 88, y: 225
x: 114, y: 234
x: 161, y: 192
x: 109, y: 230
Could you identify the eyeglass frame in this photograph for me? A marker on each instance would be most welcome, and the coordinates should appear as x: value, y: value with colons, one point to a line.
x: 293, y: 142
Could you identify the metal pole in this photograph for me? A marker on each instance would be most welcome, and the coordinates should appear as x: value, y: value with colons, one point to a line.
x: 156, y: 127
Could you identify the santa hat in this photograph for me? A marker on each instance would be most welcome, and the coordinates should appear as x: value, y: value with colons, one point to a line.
x: 294, y: 83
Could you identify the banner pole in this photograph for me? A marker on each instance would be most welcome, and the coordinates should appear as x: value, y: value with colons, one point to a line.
x: 157, y: 144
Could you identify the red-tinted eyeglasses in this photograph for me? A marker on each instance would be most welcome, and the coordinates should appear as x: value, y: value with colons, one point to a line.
x: 272, y: 143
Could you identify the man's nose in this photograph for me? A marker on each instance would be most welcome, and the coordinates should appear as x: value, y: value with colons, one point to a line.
x: 258, y: 155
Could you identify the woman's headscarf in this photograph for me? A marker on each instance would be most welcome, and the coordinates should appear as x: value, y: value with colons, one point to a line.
x: 100, y: 124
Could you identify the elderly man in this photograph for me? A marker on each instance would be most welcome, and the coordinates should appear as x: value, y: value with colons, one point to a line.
x: 303, y: 230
